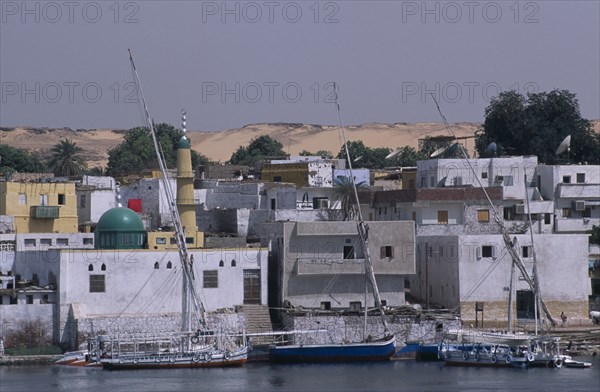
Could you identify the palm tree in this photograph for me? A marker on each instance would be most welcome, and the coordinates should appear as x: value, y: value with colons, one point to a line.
x: 343, y: 191
x: 67, y: 159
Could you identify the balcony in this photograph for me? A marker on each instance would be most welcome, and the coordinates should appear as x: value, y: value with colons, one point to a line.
x: 575, y: 225
x: 579, y: 191
x: 44, y: 212
x: 330, y: 266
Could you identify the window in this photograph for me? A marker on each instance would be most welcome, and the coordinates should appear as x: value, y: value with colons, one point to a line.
x: 46, y: 241
x: 587, y: 213
x: 43, y: 200
x: 277, y: 179
x: 103, y: 267
x: 508, y: 213
x: 169, y: 265
x: 326, y: 305
x: 90, y: 268
x: 273, y: 204
x: 233, y: 263
x: 508, y: 180
x: 483, y: 174
x: 386, y: 251
x: 82, y: 201
x: 526, y: 251
x: 29, y: 242
x: 580, y: 177
x: 29, y: 299
x: 432, y: 182
x: 62, y: 241
x: 61, y: 199
x: 483, y: 215
x: 22, y: 199
x: 156, y: 265
x: 566, y: 212
x: 45, y: 299
x: 88, y: 241
x: 189, y: 240
x: 547, y: 219
x: 211, y: 279
x: 348, y: 252
x: 173, y: 241
x: 423, y: 182
x: 486, y: 251
x: 97, y: 284
x: 355, y: 306
x: 161, y: 241
x: 221, y: 263
x: 566, y: 179
x: 443, y: 217
x: 414, y: 216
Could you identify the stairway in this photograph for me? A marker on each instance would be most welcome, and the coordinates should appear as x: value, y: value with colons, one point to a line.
x: 258, y: 321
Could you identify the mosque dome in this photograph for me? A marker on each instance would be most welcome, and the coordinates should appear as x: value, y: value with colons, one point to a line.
x: 120, y: 228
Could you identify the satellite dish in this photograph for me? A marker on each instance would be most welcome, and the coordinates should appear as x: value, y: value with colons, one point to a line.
x: 392, y: 154
x: 442, y: 150
x: 491, y: 149
x: 565, y: 145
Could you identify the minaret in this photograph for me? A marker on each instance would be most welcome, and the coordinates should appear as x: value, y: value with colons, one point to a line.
x: 185, y: 181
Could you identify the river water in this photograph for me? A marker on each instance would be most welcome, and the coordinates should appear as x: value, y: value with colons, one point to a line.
x: 404, y: 375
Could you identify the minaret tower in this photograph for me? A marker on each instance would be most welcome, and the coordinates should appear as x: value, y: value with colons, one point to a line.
x: 185, y: 181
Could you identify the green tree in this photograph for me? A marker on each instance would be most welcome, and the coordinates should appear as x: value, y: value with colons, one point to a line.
x: 136, y: 153
x: 407, y: 156
x: 67, y: 159
x: 321, y: 153
x: 15, y: 160
x: 343, y: 191
x: 261, y: 147
x: 365, y: 157
x: 536, y: 125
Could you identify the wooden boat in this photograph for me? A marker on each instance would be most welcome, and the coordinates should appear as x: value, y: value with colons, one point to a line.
x: 367, y: 350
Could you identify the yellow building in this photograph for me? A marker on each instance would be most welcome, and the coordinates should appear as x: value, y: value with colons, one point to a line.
x: 40, y: 207
x: 295, y: 173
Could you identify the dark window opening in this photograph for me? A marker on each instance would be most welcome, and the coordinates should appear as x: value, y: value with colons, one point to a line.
x: 326, y: 305
x: 233, y: 263
x: 386, y: 251
x: 103, y: 267
x: 221, y: 263
x: 348, y: 252
x: 29, y: 299
x: 90, y: 268
x: 486, y: 251
x: 156, y: 265
x: 566, y: 179
x: 97, y: 284
x: 169, y: 265
x: 61, y: 199
x: 211, y: 279
x: 580, y: 177
x: 525, y: 304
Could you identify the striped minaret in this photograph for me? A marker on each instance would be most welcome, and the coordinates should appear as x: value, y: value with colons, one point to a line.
x: 185, y: 181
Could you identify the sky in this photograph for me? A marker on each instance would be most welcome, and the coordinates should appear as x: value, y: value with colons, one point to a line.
x: 232, y: 63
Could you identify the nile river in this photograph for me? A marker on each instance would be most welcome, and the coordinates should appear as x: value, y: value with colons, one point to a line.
x: 382, y: 376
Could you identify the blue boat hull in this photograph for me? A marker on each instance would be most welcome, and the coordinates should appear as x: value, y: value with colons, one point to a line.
x: 370, y: 351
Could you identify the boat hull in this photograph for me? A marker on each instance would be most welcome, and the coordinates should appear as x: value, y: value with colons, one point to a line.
x: 175, y: 361
x: 370, y: 351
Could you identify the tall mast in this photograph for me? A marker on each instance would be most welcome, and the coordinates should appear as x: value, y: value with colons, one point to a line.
x: 189, y: 294
x: 505, y: 237
x: 363, y: 229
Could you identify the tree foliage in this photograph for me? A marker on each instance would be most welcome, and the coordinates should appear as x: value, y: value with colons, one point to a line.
x: 136, y: 153
x: 321, y: 153
x: 536, y: 124
x: 595, y: 235
x: 365, y: 157
x: 15, y: 160
x: 67, y: 159
x: 261, y: 147
x: 407, y: 156
x: 343, y: 191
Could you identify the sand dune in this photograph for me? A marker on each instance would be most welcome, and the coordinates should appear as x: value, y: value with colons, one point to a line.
x: 219, y: 145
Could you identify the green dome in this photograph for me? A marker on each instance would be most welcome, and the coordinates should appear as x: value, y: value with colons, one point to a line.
x: 183, y: 143
x: 120, y: 228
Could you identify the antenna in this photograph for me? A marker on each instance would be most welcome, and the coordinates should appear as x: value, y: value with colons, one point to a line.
x: 565, y: 145
x: 491, y: 149
x: 393, y: 154
x: 452, y: 147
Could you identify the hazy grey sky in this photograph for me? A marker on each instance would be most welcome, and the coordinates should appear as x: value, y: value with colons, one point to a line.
x: 65, y: 63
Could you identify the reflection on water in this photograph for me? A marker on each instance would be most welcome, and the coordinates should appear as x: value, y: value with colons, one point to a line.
x: 381, y: 376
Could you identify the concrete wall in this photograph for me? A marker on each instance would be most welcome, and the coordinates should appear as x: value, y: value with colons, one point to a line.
x: 360, y: 175
x: 312, y: 253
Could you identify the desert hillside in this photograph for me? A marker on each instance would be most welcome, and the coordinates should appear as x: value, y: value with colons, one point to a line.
x: 219, y: 145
